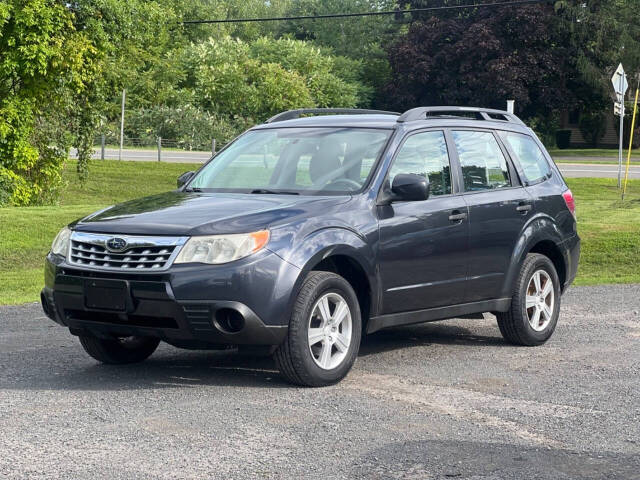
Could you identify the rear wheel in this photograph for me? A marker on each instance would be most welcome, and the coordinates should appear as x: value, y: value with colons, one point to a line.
x: 324, y: 332
x: 119, y: 350
x: 535, y: 304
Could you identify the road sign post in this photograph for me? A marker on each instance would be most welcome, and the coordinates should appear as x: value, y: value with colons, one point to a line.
x: 619, y: 81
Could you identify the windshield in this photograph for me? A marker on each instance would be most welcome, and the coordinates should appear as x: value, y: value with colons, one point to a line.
x: 306, y: 161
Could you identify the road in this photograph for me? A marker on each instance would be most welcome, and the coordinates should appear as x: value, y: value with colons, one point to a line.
x: 582, y: 167
x: 440, y: 400
x: 574, y: 170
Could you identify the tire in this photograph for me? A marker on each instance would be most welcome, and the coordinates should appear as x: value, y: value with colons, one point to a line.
x: 119, y: 350
x: 304, y: 363
x: 519, y: 325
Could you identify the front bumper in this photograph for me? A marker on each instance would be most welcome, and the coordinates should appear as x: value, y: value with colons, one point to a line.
x: 188, y: 305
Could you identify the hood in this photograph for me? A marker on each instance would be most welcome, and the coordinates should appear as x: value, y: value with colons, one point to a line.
x: 192, y: 213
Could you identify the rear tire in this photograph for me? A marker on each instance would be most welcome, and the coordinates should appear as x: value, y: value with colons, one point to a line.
x: 535, y: 303
x: 119, y: 350
x: 324, y: 332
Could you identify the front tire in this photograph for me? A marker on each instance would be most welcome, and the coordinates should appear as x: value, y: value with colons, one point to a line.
x: 119, y: 351
x: 324, y: 332
x: 535, y: 304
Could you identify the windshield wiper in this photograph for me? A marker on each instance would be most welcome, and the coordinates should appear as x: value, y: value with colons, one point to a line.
x: 275, y: 192
x: 193, y: 189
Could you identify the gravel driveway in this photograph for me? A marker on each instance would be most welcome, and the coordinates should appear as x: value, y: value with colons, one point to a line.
x: 440, y: 400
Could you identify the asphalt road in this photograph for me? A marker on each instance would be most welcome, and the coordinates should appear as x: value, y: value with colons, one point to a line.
x: 574, y: 170
x: 582, y: 167
x: 435, y: 401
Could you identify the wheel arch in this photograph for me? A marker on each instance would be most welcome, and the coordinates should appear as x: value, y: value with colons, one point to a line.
x: 541, y: 236
x: 342, y: 252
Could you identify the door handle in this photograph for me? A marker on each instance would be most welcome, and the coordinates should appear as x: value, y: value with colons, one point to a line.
x: 524, y: 207
x: 457, y: 216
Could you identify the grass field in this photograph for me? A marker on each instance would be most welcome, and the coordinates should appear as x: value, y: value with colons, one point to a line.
x: 610, y: 230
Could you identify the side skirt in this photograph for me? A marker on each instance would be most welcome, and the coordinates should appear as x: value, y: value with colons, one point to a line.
x: 431, y: 314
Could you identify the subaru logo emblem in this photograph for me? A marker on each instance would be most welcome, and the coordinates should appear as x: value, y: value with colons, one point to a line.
x: 116, y: 244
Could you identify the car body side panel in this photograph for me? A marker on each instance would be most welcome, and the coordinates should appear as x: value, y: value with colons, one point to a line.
x: 540, y: 228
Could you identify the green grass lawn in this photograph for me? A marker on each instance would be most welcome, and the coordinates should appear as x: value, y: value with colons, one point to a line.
x: 610, y: 229
x: 26, y: 232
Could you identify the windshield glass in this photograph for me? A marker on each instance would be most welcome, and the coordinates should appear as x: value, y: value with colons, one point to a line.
x: 306, y: 161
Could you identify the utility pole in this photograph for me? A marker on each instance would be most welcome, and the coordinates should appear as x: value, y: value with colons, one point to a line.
x: 121, y: 125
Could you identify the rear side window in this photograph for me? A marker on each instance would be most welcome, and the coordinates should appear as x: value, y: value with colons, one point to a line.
x: 532, y: 161
x: 425, y: 154
x: 483, y: 164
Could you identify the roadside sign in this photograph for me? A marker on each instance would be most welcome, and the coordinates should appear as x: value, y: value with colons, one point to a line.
x: 617, y: 108
x: 619, y: 81
x: 620, y: 85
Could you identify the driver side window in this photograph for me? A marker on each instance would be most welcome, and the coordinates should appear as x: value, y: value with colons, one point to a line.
x: 425, y: 154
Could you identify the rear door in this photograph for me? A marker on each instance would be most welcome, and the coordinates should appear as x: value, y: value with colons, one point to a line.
x: 422, y: 251
x: 498, y: 209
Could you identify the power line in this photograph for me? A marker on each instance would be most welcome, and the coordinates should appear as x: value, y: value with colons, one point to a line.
x: 367, y: 14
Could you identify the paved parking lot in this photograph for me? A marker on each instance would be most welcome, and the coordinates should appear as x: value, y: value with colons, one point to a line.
x: 441, y: 400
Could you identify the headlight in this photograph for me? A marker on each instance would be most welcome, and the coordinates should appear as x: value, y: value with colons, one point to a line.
x: 60, y: 245
x: 215, y: 249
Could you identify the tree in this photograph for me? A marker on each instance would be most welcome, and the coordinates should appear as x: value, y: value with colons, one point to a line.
x: 360, y: 39
x: 258, y: 79
x: 482, y: 57
x: 45, y: 63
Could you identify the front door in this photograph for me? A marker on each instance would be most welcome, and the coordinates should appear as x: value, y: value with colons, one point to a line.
x: 422, y: 252
x: 498, y: 210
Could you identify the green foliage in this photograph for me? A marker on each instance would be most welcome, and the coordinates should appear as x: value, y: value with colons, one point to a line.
x: 563, y: 138
x: 191, y: 127
x: 360, y: 39
x: 44, y: 63
x: 592, y: 126
x: 260, y: 78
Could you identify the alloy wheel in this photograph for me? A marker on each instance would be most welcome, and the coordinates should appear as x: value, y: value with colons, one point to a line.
x: 330, y: 331
x: 540, y: 300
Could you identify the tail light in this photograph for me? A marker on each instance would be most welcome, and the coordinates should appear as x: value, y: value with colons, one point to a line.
x: 569, y: 200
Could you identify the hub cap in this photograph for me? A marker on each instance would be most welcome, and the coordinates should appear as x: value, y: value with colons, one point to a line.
x: 329, y: 332
x: 540, y: 300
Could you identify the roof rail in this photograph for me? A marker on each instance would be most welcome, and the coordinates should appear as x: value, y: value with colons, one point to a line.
x: 292, y: 114
x: 422, y: 113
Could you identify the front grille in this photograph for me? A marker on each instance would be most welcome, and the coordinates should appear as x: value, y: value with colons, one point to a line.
x: 143, y: 257
x: 140, y: 253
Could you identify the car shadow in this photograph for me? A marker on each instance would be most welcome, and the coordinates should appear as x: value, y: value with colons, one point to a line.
x: 436, y: 333
x: 171, y: 367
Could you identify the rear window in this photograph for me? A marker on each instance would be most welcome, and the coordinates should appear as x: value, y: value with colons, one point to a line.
x: 483, y: 165
x: 528, y: 155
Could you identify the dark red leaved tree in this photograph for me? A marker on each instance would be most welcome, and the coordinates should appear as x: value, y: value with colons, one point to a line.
x: 483, y: 57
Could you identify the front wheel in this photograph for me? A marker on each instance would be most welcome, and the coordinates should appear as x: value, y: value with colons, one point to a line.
x: 535, y: 304
x: 324, y: 332
x: 119, y: 350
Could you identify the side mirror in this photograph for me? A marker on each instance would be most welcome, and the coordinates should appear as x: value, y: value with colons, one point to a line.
x: 184, y: 178
x: 409, y: 187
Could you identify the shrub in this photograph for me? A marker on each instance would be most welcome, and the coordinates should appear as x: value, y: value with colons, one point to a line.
x: 592, y: 126
x: 191, y: 127
x: 563, y: 138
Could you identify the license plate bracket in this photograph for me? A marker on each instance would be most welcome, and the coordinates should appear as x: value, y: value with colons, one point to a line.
x: 106, y: 294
